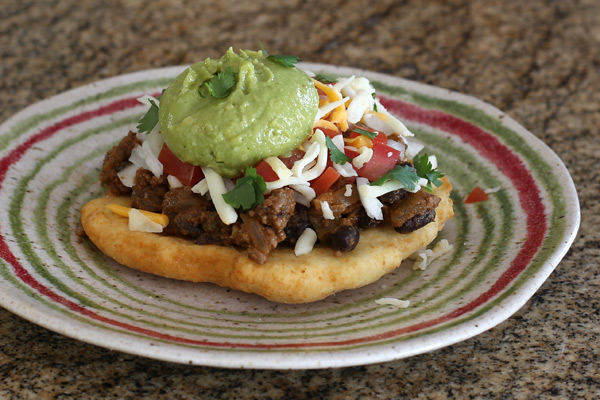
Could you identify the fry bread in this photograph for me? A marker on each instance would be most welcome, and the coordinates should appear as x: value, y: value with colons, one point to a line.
x: 284, y: 278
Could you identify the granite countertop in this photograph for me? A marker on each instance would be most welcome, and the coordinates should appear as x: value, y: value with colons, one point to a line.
x: 537, y: 60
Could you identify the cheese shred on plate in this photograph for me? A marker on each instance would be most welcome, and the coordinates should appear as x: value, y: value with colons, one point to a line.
x: 424, y: 257
x: 389, y: 301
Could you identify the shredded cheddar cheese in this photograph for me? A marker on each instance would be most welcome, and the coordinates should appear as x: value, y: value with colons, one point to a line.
x: 359, y: 141
x: 123, y: 211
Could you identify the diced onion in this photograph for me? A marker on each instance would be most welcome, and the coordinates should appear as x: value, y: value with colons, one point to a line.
x: 413, y: 147
x: 140, y: 223
x: 305, y: 242
x: 216, y: 187
x: 127, y: 175
x: 174, y: 182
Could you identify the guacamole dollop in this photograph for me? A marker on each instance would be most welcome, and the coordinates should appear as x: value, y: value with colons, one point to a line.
x: 269, y: 111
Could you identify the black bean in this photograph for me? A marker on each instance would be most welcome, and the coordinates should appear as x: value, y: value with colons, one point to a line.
x: 345, y: 238
x: 393, y: 197
x: 416, y: 222
x: 296, y: 225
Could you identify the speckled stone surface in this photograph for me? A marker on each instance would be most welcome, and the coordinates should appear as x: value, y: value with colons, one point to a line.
x: 537, y: 60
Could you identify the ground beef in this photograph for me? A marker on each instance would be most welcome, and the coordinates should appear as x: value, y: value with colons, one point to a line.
x: 262, y: 228
x: 115, y: 160
x: 149, y: 191
x: 414, y: 211
x: 276, y: 210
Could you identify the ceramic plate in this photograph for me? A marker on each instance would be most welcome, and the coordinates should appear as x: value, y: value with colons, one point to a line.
x: 504, y: 248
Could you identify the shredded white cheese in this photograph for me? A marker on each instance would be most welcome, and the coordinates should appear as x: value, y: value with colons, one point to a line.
x: 201, y: 187
x: 282, y: 171
x: 365, y: 156
x: 374, y: 121
x: 318, y: 150
x: 492, y: 190
x: 140, y: 223
x: 216, y: 188
x: 371, y: 204
x: 362, y: 102
x: 305, y: 242
x: 326, y: 210
x: 389, y: 301
x: 303, y: 194
x: 329, y: 107
x: 348, y: 191
x: 425, y: 257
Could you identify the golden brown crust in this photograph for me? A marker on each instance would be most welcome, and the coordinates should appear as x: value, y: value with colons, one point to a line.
x: 284, y: 278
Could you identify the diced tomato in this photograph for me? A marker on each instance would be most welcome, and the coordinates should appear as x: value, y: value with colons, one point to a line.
x: 264, y: 169
x: 476, y: 196
x: 187, y: 173
x: 384, y: 158
x: 351, y: 153
x: 325, y: 180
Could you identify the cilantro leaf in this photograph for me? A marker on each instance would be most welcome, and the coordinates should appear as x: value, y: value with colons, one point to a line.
x: 370, y: 135
x: 285, y: 60
x: 425, y: 170
x: 335, y: 154
x: 150, y: 119
x: 374, y: 103
x: 405, y: 174
x: 248, y: 191
x: 221, y: 84
x: 325, y: 78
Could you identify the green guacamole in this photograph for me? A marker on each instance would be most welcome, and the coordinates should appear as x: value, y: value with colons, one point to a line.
x: 269, y: 112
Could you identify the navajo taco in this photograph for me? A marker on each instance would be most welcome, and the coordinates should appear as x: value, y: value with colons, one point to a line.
x: 252, y: 174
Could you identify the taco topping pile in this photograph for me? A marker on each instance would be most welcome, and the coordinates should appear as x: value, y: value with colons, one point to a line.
x: 249, y: 151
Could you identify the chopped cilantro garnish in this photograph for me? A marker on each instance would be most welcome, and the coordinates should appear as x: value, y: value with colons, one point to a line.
x: 335, y: 154
x: 325, y: 78
x: 370, y: 135
x: 409, y: 176
x: 426, y: 170
x: 248, y: 191
x: 405, y: 174
x: 220, y: 85
x: 285, y: 60
x: 150, y: 119
x: 374, y: 103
